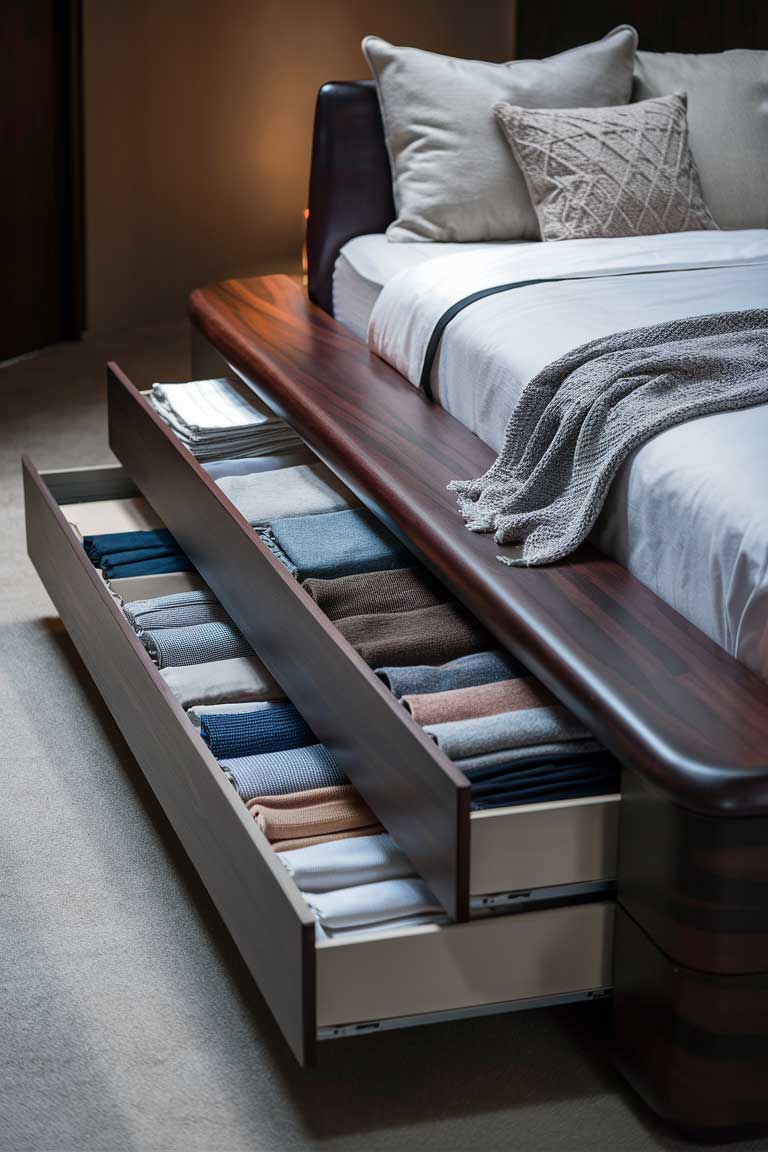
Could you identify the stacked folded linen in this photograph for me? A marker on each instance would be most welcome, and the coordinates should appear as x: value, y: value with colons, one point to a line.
x: 216, y: 418
x: 195, y: 644
x: 285, y: 771
x: 438, y: 633
x: 222, y: 682
x: 300, y: 818
x: 503, y: 730
x: 556, y: 776
x: 303, y: 490
x: 140, y: 553
x: 388, y: 902
x: 481, y: 700
x: 177, y: 610
x: 274, y: 729
x: 335, y: 544
x: 243, y: 465
x: 393, y: 590
x: 347, y: 863
x: 467, y: 672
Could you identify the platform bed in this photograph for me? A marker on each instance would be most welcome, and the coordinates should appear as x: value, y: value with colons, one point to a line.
x: 685, y: 944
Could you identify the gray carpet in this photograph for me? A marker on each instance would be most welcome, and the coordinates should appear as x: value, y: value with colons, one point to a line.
x: 128, y: 1020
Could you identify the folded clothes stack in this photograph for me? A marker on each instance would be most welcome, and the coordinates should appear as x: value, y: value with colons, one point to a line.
x: 143, y: 553
x: 218, y: 418
x: 334, y: 544
x: 300, y: 490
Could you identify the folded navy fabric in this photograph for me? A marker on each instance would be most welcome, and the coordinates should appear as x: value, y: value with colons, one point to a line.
x: 282, y: 773
x: 275, y: 728
x: 195, y: 644
x: 144, y: 553
x: 178, y: 610
x: 466, y: 672
x: 111, y: 542
x: 521, y: 768
x: 549, y: 792
x: 336, y: 544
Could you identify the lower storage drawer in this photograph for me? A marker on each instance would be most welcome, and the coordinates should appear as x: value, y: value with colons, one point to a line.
x: 314, y: 987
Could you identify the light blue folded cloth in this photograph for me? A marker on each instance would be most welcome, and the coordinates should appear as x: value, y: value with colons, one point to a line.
x: 459, y: 739
x: 279, y: 773
x: 178, y: 610
x: 365, y: 905
x: 346, y: 863
x: 338, y: 544
x: 466, y: 672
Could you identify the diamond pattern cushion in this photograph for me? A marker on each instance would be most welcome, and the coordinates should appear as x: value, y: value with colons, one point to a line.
x: 619, y: 171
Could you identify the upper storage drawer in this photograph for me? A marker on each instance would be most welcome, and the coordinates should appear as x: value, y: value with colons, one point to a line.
x: 415, y: 791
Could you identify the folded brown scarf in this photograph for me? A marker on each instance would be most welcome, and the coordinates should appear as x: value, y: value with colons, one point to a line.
x: 399, y: 590
x: 485, y: 700
x: 424, y: 636
x: 316, y: 812
x: 309, y: 841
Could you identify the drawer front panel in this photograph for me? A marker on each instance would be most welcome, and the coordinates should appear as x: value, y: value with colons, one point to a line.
x: 415, y: 792
x: 270, y: 923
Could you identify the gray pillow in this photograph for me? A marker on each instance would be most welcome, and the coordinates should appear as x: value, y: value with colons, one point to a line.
x: 608, y: 171
x: 728, y: 125
x: 454, y: 177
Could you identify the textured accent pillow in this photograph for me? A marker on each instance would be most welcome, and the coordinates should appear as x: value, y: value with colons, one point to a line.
x: 454, y: 178
x: 728, y: 125
x: 608, y: 171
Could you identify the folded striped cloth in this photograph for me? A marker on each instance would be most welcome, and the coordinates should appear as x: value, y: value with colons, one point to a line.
x: 272, y: 729
x: 175, y: 611
x: 303, y: 490
x: 337, y: 544
x: 197, y: 711
x: 461, y: 738
x: 466, y: 672
x: 317, y: 812
x: 484, y: 700
x: 345, y: 863
x: 140, y: 553
x: 372, y: 904
x: 440, y: 632
x: 195, y: 644
x: 280, y: 773
x: 396, y: 590
x: 222, y: 682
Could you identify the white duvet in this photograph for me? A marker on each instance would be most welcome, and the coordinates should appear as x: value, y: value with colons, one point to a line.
x: 688, y: 514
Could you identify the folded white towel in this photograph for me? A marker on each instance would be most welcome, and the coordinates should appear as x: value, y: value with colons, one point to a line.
x: 346, y: 863
x: 371, y: 904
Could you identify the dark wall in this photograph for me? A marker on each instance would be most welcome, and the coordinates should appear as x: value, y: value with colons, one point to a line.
x: 548, y: 26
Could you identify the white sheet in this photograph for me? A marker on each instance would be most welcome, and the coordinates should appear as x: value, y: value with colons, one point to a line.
x: 688, y: 515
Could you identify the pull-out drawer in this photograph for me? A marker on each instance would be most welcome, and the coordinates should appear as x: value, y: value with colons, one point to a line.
x: 501, y: 856
x: 314, y: 987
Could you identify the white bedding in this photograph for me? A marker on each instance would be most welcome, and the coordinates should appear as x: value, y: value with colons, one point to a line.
x: 688, y: 514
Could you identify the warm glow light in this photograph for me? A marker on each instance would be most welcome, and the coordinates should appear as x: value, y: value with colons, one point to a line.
x: 304, y: 276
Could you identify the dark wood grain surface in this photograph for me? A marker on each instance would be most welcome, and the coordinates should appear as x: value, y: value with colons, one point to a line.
x: 693, y: 1044
x: 414, y: 790
x: 269, y: 921
x: 659, y: 693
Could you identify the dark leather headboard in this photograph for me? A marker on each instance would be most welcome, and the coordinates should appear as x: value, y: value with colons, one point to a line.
x: 350, y: 186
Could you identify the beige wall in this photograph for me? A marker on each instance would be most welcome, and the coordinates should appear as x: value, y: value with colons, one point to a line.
x: 198, y: 119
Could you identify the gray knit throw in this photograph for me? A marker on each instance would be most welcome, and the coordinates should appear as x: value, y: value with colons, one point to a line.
x: 581, y: 417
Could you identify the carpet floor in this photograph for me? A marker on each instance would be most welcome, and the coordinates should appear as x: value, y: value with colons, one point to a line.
x: 128, y: 1020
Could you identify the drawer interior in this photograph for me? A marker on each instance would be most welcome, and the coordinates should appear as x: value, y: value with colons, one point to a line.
x: 316, y: 986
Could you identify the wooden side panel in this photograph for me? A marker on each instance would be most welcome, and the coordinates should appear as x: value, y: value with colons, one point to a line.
x: 693, y: 1044
x: 269, y: 921
x: 659, y: 693
x: 416, y: 793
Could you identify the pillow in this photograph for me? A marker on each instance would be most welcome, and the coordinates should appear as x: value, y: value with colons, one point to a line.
x: 608, y: 171
x: 728, y: 124
x: 454, y: 178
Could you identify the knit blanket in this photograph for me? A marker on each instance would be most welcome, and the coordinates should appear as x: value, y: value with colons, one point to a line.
x: 580, y: 418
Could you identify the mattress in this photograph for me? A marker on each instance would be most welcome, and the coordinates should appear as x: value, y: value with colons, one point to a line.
x: 688, y: 513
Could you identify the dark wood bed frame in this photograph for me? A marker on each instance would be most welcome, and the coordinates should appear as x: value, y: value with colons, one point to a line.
x: 688, y: 722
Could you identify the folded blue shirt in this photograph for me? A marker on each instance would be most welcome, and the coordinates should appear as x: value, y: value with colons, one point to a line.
x: 110, y: 542
x: 276, y: 728
x: 333, y: 544
x: 142, y: 553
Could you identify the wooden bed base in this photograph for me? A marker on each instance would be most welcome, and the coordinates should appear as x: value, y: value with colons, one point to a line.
x: 688, y: 722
